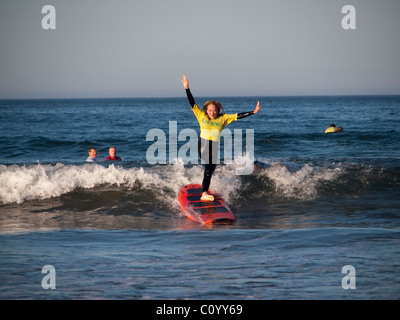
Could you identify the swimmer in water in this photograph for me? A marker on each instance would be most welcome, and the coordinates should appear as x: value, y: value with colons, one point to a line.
x: 92, y: 155
x: 113, y: 154
x: 332, y: 129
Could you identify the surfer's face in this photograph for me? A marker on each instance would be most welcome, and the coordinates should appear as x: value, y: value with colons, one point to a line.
x: 212, y: 111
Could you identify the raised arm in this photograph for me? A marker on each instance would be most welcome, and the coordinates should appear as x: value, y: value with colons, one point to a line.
x: 246, y: 114
x: 185, y: 83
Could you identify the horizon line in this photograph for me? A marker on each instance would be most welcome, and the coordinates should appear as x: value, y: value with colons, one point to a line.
x: 217, y: 96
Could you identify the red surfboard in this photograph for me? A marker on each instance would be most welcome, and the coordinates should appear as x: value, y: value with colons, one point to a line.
x: 204, y: 212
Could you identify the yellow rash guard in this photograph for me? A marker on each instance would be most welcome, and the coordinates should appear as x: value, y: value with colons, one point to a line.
x: 330, y: 130
x: 211, y: 129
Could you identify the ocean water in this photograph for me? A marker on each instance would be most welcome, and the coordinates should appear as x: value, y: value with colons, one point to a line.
x: 114, y: 230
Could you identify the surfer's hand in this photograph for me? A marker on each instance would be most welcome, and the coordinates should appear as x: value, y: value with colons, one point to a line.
x: 185, y: 82
x: 257, y: 107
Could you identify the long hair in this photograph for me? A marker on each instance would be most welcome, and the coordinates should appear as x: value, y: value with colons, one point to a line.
x: 218, y: 105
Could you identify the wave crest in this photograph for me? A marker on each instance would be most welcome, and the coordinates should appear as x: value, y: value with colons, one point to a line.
x: 278, y: 181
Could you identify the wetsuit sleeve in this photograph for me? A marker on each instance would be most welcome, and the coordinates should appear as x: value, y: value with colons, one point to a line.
x: 244, y: 114
x: 190, y: 97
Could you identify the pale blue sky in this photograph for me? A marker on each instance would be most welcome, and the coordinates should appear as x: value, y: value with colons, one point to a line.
x: 132, y: 48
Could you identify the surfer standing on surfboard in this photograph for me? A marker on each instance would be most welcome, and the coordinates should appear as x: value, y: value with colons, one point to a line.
x: 212, y: 120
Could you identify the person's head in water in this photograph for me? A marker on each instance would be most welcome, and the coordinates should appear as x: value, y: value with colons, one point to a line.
x: 92, y: 152
x: 213, y: 109
x: 112, y: 152
x: 339, y: 129
x: 331, y: 128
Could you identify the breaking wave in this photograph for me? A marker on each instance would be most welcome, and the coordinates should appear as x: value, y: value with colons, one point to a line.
x: 279, y: 181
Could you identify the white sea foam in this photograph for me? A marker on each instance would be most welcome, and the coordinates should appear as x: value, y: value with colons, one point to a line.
x: 300, y: 182
x: 18, y: 184
x: 23, y: 183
